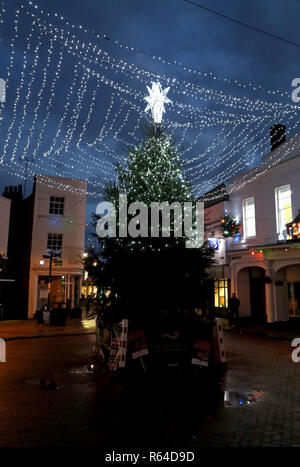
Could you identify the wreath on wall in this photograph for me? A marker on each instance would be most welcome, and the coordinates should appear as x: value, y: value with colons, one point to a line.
x: 230, y: 227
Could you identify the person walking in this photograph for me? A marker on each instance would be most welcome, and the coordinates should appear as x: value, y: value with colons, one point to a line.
x: 233, y: 305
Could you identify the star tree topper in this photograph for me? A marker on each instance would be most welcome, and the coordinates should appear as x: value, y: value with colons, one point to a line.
x: 156, y: 101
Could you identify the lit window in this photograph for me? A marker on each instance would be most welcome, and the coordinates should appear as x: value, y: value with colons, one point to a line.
x: 221, y: 293
x: 283, y: 209
x: 56, y: 205
x: 249, y: 218
x: 54, y: 243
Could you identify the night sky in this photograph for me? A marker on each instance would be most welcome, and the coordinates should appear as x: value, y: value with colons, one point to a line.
x: 216, y: 136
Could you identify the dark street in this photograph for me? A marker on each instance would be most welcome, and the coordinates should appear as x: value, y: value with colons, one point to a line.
x: 87, y: 412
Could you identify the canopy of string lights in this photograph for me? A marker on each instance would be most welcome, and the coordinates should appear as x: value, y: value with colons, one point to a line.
x: 220, y: 129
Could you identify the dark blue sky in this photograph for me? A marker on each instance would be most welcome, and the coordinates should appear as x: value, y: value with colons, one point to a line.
x: 167, y: 28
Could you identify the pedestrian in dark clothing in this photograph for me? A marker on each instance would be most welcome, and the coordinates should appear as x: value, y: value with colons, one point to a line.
x: 233, y: 305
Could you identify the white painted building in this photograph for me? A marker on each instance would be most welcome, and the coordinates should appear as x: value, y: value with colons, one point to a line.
x: 263, y: 267
x: 219, y: 273
x: 4, y: 224
x: 59, y: 216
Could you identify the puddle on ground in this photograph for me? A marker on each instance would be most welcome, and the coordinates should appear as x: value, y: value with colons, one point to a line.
x: 241, y: 398
x: 82, y: 370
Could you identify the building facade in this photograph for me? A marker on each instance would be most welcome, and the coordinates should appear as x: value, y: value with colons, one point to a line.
x: 50, y: 220
x: 263, y: 260
x: 4, y: 224
x: 219, y: 273
x: 7, y: 283
x: 59, y: 220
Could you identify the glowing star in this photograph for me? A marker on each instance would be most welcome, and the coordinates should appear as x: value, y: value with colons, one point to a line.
x: 156, y: 100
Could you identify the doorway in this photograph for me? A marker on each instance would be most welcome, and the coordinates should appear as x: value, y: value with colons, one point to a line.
x: 257, y: 294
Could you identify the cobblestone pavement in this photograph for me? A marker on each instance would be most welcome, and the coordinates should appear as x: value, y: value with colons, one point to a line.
x: 86, y: 411
x: 264, y: 365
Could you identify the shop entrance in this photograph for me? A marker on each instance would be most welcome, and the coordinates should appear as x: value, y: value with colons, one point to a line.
x: 57, y: 291
x: 294, y: 299
x: 251, y: 293
x: 257, y: 294
x: 63, y: 288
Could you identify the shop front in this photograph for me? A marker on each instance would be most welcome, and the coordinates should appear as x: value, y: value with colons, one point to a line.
x: 221, y: 289
x: 221, y: 293
x: 64, y: 289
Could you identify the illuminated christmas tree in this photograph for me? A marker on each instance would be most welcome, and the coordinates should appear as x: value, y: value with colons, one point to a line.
x: 149, y: 274
x: 153, y: 173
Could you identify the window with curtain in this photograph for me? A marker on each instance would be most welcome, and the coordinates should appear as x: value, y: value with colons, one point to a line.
x: 283, y: 203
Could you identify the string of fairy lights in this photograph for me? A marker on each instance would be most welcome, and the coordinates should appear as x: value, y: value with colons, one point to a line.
x: 100, y: 112
x: 28, y: 90
x: 246, y: 160
x: 76, y: 49
x: 164, y: 60
x: 2, y: 13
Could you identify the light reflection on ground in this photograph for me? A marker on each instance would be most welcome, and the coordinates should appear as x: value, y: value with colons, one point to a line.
x: 241, y: 398
x: 89, y: 324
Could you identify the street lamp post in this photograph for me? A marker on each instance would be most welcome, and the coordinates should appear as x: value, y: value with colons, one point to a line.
x: 50, y: 277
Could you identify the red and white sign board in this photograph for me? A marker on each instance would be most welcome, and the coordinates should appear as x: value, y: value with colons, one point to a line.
x: 117, y: 357
x: 219, y: 347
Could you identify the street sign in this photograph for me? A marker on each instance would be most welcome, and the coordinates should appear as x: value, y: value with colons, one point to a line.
x: 57, y: 263
x: 58, y: 253
x: 53, y: 254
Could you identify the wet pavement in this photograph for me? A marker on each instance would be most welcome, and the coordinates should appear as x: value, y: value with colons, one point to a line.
x: 261, y: 368
x: 284, y: 331
x: 30, y: 416
x: 259, y: 400
x: 27, y: 329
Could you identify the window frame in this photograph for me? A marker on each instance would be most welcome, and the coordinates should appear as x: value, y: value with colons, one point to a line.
x: 245, y: 219
x: 58, y: 205
x: 55, y: 250
x: 278, y: 215
x: 225, y: 288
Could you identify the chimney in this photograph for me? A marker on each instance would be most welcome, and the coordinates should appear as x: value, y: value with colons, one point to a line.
x: 13, y: 192
x: 277, y: 135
